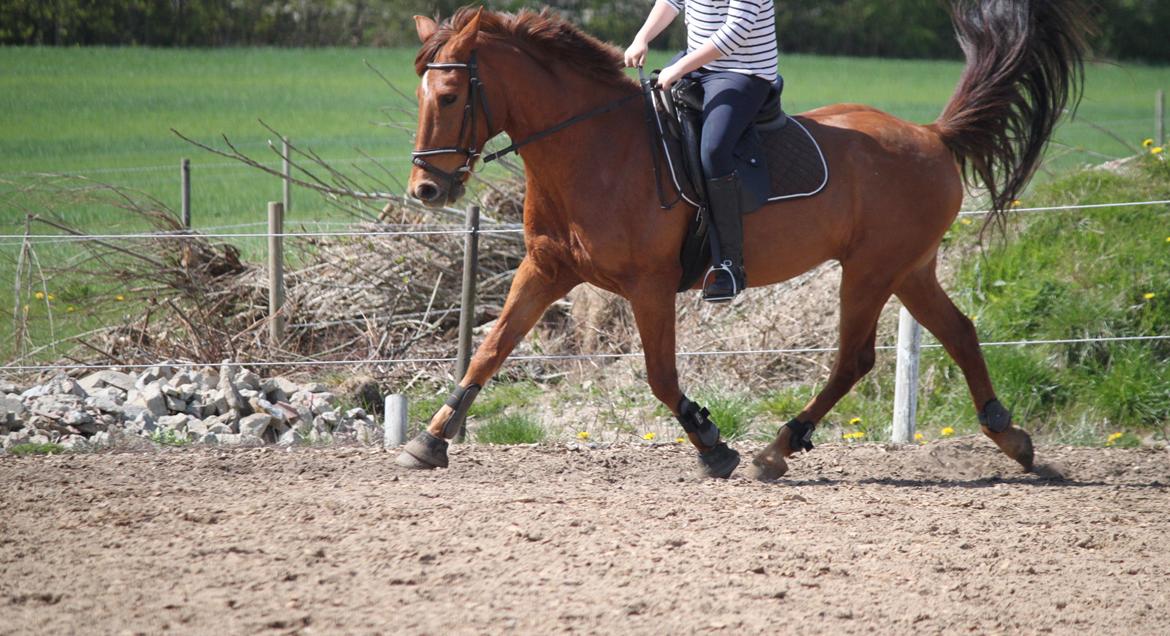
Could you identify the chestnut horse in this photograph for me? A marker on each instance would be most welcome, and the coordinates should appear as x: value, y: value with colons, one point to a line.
x: 592, y: 214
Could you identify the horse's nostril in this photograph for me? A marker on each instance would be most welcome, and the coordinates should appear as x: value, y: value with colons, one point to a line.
x: 427, y: 191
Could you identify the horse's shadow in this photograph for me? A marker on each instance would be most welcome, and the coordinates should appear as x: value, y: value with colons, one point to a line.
x: 975, y: 483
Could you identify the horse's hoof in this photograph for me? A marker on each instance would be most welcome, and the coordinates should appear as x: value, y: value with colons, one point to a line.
x: 424, y: 452
x: 719, y: 461
x: 769, y: 465
x: 1015, y: 443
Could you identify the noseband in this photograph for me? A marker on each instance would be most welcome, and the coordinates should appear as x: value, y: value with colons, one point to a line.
x: 476, y: 97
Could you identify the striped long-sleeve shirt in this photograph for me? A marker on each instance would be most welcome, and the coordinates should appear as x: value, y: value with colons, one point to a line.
x: 743, y: 30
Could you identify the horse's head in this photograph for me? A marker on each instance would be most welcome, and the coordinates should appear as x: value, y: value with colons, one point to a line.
x: 453, y: 118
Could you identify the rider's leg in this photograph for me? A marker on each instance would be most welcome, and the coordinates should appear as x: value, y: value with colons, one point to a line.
x: 730, y: 103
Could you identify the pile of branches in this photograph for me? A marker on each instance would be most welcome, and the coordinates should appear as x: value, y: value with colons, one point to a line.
x: 373, y: 291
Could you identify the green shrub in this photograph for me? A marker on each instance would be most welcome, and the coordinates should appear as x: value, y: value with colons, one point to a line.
x: 167, y: 437
x: 498, y: 397
x: 732, y: 412
x: 512, y: 428
x: 36, y: 449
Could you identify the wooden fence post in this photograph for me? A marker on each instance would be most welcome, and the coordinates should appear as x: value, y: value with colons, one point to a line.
x: 467, y: 306
x: 1160, y: 118
x: 286, y: 189
x: 275, y: 272
x: 906, y: 378
x: 185, y: 191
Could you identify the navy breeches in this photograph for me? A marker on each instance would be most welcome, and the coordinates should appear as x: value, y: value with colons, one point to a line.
x: 730, y: 102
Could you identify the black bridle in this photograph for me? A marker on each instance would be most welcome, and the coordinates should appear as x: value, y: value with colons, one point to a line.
x: 477, y: 97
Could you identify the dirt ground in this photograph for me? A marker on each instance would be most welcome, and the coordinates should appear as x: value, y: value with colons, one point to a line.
x: 947, y: 537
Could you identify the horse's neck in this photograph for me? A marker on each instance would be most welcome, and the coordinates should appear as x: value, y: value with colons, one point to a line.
x: 576, y: 155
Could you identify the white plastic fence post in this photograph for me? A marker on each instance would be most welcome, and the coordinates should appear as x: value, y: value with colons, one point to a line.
x: 394, y: 427
x: 906, y: 382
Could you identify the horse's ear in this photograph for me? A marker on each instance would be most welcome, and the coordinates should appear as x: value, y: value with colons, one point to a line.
x: 425, y: 26
x: 464, y: 41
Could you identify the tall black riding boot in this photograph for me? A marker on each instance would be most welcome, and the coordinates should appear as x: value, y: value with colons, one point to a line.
x: 726, y: 277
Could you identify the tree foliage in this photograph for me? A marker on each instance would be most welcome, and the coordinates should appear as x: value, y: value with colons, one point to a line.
x: 888, y: 28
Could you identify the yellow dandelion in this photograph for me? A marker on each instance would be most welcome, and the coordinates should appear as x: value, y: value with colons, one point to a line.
x: 52, y: 297
x: 680, y: 440
x: 855, y: 421
x: 1156, y: 150
x: 1146, y: 143
x: 119, y: 298
x: 965, y: 221
x: 1016, y: 203
x: 919, y: 437
x: 39, y: 295
x: 649, y: 437
x: 1149, y: 295
x: 1168, y: 239
x: 947, y: 432
x: 583, y: 435
x: 70, y: 309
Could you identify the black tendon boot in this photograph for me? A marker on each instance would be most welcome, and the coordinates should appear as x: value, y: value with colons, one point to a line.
x: 726, y: 278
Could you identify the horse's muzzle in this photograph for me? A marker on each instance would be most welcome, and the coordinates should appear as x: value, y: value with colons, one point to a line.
x: 434, y: 196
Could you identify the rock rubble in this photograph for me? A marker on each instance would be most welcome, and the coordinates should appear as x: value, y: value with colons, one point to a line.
x: 177, y: 404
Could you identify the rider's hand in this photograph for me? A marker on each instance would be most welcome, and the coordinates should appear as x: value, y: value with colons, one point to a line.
x: 636, y: 54
x: 669, y: 76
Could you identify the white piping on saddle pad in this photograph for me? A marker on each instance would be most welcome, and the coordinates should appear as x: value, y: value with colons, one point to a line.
x: 824, y: 164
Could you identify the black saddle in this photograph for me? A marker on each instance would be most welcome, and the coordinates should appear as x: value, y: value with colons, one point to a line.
x: 778, y: 159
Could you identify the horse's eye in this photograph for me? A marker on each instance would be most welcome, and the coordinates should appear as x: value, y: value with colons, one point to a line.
x: 447, y: 100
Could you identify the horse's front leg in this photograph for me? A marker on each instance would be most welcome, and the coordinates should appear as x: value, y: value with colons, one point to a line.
x: 655, y: 317
x: 534, y: 288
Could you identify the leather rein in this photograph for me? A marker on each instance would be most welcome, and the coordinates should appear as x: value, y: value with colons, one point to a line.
x: 477, y: 98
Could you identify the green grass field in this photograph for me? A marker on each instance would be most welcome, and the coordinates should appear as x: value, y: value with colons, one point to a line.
x: 106, y: 114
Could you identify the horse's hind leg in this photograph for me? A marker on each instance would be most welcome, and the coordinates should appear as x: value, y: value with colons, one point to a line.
x: 864, y: 292
x: 921, y: 293
x: 533, y: 289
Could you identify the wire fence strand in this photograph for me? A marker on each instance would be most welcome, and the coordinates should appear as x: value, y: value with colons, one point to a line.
x: 449, y: 229
x: 552, y: 358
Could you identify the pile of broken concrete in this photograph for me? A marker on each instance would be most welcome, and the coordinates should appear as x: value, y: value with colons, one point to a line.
x: 174, y: 404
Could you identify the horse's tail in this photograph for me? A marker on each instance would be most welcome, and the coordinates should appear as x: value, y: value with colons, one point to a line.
x: 1024, y: 64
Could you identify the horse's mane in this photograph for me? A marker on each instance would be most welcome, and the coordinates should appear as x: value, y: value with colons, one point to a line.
x: 544, y: 35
